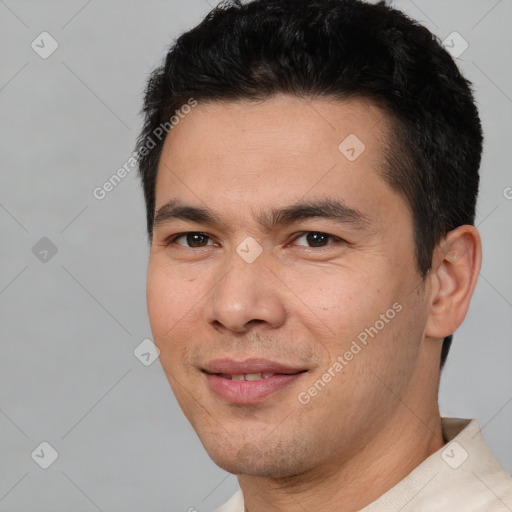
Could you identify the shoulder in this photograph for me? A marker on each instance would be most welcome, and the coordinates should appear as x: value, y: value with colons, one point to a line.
x: 462, y: 475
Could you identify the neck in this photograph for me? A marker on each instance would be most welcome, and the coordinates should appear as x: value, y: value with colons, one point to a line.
x: 350, y: 485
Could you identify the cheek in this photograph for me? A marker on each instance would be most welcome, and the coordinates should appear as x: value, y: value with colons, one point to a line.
x: 342, y: 303
x: 169, y: 298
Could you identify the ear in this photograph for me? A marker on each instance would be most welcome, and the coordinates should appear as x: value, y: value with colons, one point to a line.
x: 455, y: 269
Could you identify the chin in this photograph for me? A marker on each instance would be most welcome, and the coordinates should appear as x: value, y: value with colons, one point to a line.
x: 251, y: 461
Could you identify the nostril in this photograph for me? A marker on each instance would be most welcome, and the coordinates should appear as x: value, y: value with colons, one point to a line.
x: 257, y: 321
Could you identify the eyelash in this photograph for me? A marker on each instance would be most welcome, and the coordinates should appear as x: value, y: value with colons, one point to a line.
x: 173, y: 239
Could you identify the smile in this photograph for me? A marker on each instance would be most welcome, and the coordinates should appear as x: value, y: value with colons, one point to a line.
x: 250, y: 381
x: 248, y: 376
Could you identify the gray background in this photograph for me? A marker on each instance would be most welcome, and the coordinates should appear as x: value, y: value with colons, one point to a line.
x: 69, y: 323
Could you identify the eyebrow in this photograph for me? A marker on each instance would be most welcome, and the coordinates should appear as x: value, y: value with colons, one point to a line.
x: 332, y: 209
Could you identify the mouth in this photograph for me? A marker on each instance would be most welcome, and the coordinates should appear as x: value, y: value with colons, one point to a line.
x: 250, y: 381
x: 247, y: 376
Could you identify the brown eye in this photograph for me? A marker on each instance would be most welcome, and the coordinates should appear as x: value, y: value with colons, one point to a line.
x: 316, y: 238
x: 193, y: 240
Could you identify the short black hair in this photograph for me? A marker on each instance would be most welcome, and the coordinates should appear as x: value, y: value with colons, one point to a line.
x: 336, y: 49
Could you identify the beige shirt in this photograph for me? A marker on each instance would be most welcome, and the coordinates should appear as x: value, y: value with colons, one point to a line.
x: 463, y: 476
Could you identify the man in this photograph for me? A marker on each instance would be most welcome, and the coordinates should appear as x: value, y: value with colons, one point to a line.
x: 310, y: 170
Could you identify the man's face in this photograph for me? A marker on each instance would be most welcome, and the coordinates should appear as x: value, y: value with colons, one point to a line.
x: 284, y: 295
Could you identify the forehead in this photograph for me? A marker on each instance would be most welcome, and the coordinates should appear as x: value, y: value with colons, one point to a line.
x: 273, y: 150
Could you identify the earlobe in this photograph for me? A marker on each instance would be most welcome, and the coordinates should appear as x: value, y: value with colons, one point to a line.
x: 456, y: 266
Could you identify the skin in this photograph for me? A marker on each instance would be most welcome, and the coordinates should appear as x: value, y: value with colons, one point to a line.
x: 301, y: 302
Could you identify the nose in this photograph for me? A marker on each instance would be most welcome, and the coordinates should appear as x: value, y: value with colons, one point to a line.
x: 247, y: 295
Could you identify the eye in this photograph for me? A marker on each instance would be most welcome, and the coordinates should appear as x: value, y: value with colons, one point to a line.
x: 193, y: 239
x: 316, y: 239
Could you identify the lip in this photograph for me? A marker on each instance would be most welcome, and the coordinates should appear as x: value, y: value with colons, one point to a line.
x: 253, y: 365
x: 249, y: 392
